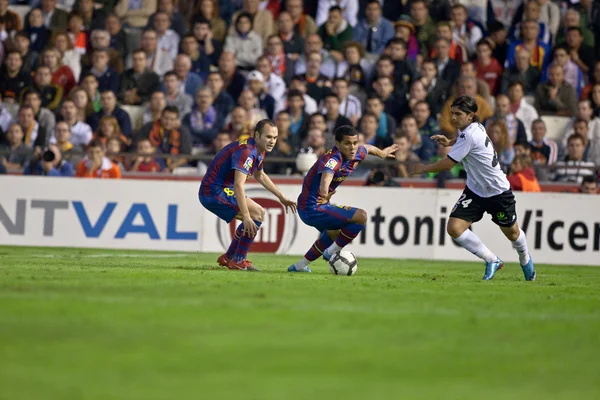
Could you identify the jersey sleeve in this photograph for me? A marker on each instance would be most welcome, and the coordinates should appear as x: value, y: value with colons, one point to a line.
x: 362, y: 153
x: 461, y: 148
x: 329, y: 163
x: 243, y: 160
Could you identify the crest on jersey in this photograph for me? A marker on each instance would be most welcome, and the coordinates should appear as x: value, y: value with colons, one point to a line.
x: 331, y: 163
x: 248, y: 163
x: 462, y: 135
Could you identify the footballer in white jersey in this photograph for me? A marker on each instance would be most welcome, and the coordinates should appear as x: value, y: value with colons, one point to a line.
x: 487, y: 189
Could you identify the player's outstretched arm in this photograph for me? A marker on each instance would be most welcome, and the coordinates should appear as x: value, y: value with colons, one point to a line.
x: 442, y: 165
x: 443, y: 140
x: 268, y: 184
x: 388, y: 152
x: 240, y: 195
x: 324, y: 195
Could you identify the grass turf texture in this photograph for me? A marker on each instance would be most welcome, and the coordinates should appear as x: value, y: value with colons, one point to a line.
x: 95, y: 324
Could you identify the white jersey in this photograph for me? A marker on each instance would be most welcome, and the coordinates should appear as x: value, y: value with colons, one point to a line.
x: 474, y: 148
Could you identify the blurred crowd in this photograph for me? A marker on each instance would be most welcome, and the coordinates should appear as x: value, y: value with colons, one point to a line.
x: 99, y: 88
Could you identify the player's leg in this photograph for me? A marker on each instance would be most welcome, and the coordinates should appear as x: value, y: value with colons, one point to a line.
x: 356, y: 223
x: 469, y: 209
x: 503, y: 210
x: 225, y: 207
x: 325, y: 240
x: 238, y: 261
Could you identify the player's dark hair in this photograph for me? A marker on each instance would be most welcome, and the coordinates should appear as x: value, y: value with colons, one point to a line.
x: 260, y: 126
x: 171, y: 109
x: 466, y: 104
x: 344, y: 130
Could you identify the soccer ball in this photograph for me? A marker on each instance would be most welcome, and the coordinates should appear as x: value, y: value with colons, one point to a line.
x: 343, y: 263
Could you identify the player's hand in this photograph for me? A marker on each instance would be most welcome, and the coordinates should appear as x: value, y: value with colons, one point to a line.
x: 287, y: 203
x: 250, y: 227
x: 415, y: 169
x: 324, y: 199
x: 441, y: 139
x: 390, y: 152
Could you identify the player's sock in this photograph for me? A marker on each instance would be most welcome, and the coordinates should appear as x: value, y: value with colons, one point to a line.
x: 235, y: 241
x: 318, y: 247
x: 244, y: 245
x: 520, y: 245
x: 471, y: 242
x: 347, y: 234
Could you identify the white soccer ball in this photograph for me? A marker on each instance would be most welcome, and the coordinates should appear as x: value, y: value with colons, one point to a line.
x: 343, y: 263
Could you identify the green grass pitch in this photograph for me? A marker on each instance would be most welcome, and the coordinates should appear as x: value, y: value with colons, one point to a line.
x: 98, y: 324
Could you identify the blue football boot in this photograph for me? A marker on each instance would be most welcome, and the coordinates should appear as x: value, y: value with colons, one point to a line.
x: 529, y: 270
x: 327, y: 256
x: 294, y: 269
x: 491, y: 268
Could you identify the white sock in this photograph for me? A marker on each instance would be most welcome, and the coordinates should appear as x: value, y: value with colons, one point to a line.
x: 520, y: 245
x: 334, y: 248
x: 302, y: 263
x: 471, y: 242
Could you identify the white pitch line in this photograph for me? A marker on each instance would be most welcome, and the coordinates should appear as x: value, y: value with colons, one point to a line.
x: 111, y: 255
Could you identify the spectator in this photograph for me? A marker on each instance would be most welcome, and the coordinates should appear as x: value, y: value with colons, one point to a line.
x: 2, y: 167
x: 52, y: 18
x: 589, y: 185
x: 329, y: 64
x: 138, y: 82
x: 539, y: 51
x: 220, y: 141
x: 556, y: 97
x: 368, y: 127
x: 549, y: 15
x: 204, y: 121
x: 437, y: 89
x: 287, y: 146
x: 522, y: 72
x: 280, y: 64
x: 35, y: 30
x: 299, y: 84
x: 586, y: 113
x: 135, y: 14
x: 23, y: 46
x: 274, y: 85
x: 420, y: 144
x: 109, y: 128
x: 333, y: 118
x: 448, y: 69
x: 261, y: 20
x: 84, y: 106
x: 10, y: 19
x: 595, y: 99
x: 158, y: 59
x: 514, y: 126
x: 574, y: 167
x: 239, y: 125
x: 315, y: 140
x: 373, y: 32
x: 458, y: 52
x: 572, y: 19
x: 100, y: 40
x: 174, y: 96
x: 5, y: 118
x: 168, y: 39
x: 293, y: 43
x: 350, y: 106
x: 43, y: 116
x: 520, y: 107
x: 427, y: 124
x: 467, y: 85
x: 522, y: 177
x: 77, y: 36
x: 145, y: 160
x: 572, y: 72
x: 317, y: 84
x: 405, y: 30
x: 233, y: 79
x: 178, y: 22
x: 61, y: 74
x: 404, y: 156
x: 70, y: 152
x: 81, y: 132
x: 395, y: 106
x: 468, y: 69
x: 110, y: 108
x: 531, y: 12
x: 33, y: 137
x: 424, y: 25
x: 244, y: 42
x: 297, y: 117
x: 249, y: 102
x: 168, y: 138
x: 350, y: 8
x: 51, y: 94
x: 118, y: 37
x: 304, y: 24
x: 544, y: 151
x: 209, y: 48
x: 155, y: 107
x: 404, y: 70
x: 487, y: 67
x: 206, y: 9
x: 114, y: 147
x: 18, y: 153
x: 464, y: 31
x: 89, y: 83
x: 222, y: 102
x: 92, y: 18
x: 256, y: 84
x: 498, y: 134
x: 386, y: 124
x: 356, y: 72
x: 67, y: 56
x: 191, y: 48
x: 49, y: 163
x: 96, y: 165
x: 13, y: 78
x: 335, y: 31
x: 457, y: 172
x: 581, y: 53
x: 498, y: 35
x: 108, y: 79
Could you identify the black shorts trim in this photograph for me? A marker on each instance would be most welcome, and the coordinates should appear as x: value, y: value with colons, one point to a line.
x: 471, y: 207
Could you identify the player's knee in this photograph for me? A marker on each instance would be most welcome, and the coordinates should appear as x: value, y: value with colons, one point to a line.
x: 259, y: 214
x: 454, y: 230
x: 360, y: 217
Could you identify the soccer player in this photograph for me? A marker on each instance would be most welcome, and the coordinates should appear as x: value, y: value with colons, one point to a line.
x: 338, y: 225
x: 487, y: 189
x: 222, y: 191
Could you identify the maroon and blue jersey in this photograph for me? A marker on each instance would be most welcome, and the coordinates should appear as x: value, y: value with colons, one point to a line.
x: 332, y: 162
x: 238, y: 156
